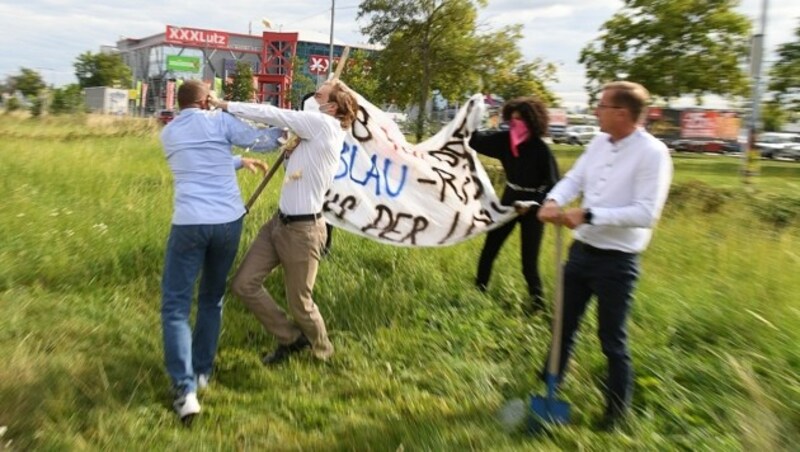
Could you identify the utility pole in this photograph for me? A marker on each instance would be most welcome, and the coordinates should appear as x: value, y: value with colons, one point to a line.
x: 751, y: 154
x: 330, y: 52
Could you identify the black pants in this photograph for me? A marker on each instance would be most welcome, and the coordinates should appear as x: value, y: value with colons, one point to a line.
x: 531, y: 240
x: 611, y: 276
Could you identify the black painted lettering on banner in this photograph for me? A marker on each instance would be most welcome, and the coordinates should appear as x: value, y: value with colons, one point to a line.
x: 452, y: 230
x: 339, y: 205
x: 360, y: 127
x: 391, y: 224
x: 483, y: 219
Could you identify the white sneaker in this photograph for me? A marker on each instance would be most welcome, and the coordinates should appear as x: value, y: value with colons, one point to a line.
x: 202, y: 382
x: 186, y: 406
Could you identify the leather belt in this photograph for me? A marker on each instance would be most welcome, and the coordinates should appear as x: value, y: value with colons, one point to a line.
x: 589, y: 249
x: 286, y: 219
x: 539, y: 189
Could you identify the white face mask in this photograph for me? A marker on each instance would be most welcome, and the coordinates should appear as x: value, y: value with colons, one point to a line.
x: 324, y: 107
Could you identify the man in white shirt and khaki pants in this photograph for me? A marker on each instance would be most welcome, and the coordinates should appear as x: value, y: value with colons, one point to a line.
x: 624, y: 177
x: 294, y: 237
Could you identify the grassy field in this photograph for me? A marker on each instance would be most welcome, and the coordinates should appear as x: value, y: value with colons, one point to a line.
x: 423, y: 360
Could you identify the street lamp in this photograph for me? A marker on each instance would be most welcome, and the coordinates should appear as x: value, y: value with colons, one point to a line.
x: 330, y: 52
x: 756, y: 55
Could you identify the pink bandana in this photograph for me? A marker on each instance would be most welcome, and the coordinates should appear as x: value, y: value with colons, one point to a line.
x: 518, y: 132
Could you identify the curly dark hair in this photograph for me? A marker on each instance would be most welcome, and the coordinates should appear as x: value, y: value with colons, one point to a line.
x: 532, y: 111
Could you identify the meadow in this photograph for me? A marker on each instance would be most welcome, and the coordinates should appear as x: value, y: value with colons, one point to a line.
x: 423, y: 360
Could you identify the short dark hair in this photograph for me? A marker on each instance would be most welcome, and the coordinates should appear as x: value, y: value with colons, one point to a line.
x: 532, y: 111
x: 191, y: 92
x: 629, y: 95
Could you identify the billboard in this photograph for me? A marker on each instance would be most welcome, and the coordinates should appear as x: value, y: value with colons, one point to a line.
x: 711, y: 124
x: 178, y: 63
x: 558, y: 116
x: 702, y: 124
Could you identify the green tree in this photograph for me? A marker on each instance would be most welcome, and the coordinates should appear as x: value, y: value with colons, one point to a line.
x: 773, y: 115
x: 68, y: 99
x: 102, y: 69
x: 432, y: 45
x: 359, y: 74
x: 241, y: 88
x: 301, y: 83
x: 526, y: 79
x: 425, y: 41
x: 37, y: 106
x: 506, y: 73
x: 673, y: 47
x: 12, y: 104
x: 785, y: 75
x: 28, y: 82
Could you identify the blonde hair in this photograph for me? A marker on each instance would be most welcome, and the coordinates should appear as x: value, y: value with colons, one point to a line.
x: 632, y: 96
x: 345, y: 100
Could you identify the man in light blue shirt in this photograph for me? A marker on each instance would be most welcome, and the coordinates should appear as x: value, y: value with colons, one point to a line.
x: 205, y: 232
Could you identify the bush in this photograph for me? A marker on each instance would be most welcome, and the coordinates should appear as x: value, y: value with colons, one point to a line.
x: 779, y: 211
x: 699, y: 195
x: 67, y: 100
x: 12, y: 104
x: 37, y: 105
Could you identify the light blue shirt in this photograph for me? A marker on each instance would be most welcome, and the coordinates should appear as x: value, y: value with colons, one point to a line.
x: 197, y: 144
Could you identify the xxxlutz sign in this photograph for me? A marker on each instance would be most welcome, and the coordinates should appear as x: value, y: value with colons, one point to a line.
x: 196, y: 37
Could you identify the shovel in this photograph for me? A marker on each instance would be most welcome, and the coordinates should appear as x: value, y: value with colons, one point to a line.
x: 265, y: 181
x: 548, y: 409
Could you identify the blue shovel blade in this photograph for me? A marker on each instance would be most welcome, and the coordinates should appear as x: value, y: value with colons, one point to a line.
x: 547, y: 410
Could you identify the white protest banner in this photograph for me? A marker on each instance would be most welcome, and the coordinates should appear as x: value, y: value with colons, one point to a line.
x: 434, y: 193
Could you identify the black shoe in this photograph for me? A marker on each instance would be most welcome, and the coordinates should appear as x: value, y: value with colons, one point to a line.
x: 610, y: 423
x: 534, y: 306
x: 283, y: 352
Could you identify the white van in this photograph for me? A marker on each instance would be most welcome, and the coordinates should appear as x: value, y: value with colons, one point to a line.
x: 771, y: 144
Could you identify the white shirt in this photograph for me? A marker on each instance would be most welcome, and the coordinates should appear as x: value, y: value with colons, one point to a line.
x: 625, y: 184
x: 312, y: 165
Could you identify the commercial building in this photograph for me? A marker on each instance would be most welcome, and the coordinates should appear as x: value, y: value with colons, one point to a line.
x: 160, y: 62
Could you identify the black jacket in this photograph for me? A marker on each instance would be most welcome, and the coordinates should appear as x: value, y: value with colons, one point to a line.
x: 534, y: 168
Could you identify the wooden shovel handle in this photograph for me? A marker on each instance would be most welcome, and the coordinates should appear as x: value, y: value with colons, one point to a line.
x: 558, y: 306
x: 265, y: 181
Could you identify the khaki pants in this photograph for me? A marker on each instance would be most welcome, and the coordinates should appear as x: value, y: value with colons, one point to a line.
x: 295, y: 246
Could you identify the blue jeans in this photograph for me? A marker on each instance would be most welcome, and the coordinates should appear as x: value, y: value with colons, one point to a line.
x: 207, y: 250
x: 611, y: 276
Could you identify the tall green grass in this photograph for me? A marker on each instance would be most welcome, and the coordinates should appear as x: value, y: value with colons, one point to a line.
x: 423, y: 360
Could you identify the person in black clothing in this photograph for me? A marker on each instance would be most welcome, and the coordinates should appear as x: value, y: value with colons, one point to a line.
x: 531, y: 171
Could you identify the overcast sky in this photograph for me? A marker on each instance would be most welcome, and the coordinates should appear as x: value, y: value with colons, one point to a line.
x: 47, y: 35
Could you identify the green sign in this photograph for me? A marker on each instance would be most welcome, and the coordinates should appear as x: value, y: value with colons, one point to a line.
x: 183, y: 63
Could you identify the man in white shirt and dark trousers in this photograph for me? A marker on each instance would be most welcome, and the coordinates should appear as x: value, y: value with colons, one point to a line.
x: 294, y: 237
x: 624, y: 177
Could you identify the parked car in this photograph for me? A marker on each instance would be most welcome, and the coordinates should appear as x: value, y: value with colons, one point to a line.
x: 165, y: 116
x: 772, y: 143
x: 731, y: 147
x: 789, y: 152
x: 707, y: 146
x: 577, y: 134
x: 556, y: 133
